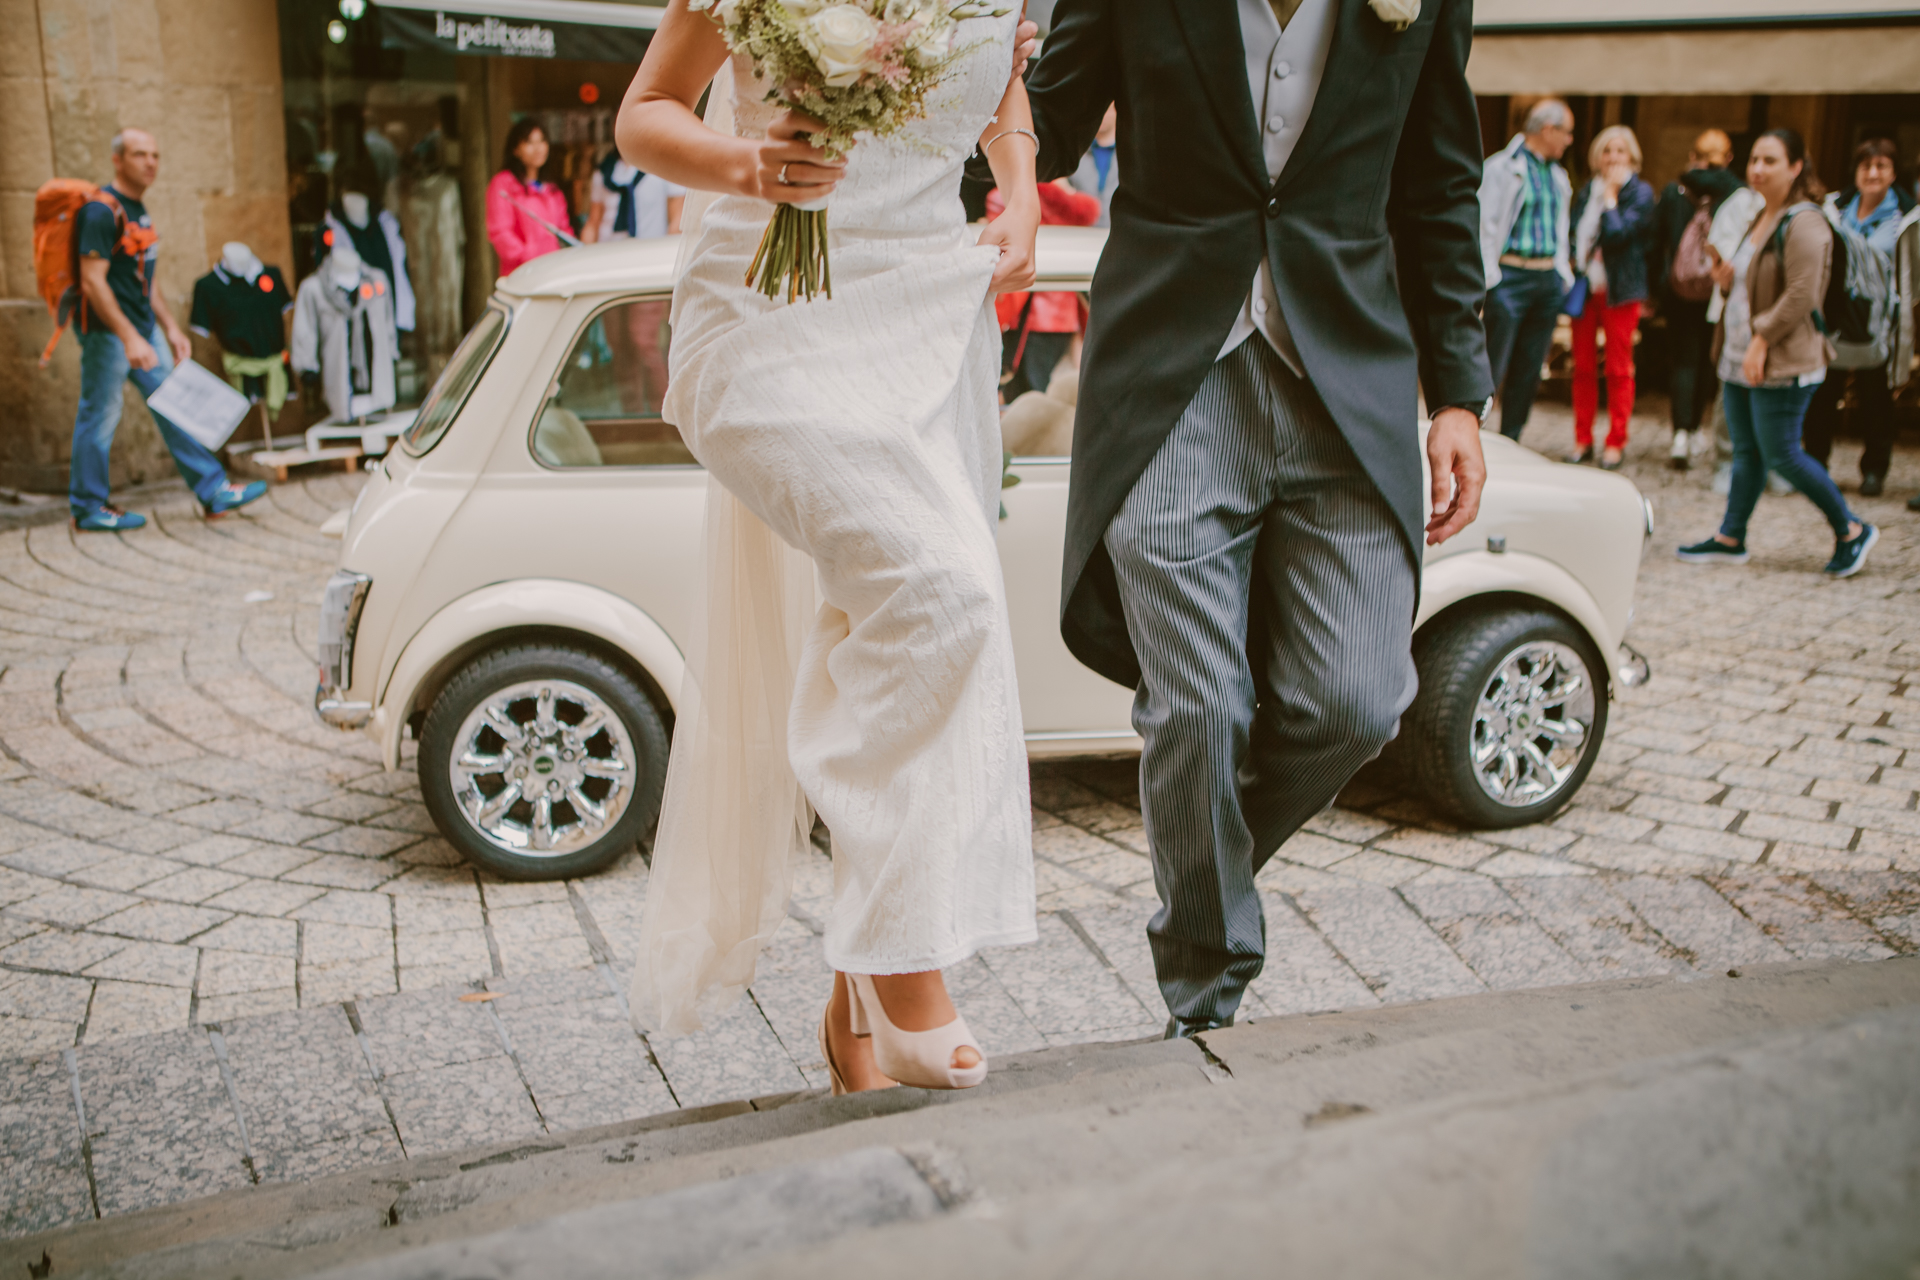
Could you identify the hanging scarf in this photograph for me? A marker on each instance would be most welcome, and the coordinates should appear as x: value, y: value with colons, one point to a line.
x: 626, y: 221
x: 370, y: 241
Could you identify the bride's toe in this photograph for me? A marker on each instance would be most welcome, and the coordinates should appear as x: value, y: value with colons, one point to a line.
x: 966, y: 1058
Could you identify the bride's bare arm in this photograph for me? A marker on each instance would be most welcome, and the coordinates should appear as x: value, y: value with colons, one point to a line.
x: 658, y: 132
x: 1009, y: 148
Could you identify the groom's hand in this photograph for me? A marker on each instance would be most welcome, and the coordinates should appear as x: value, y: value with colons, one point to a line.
x: 1459, y: 473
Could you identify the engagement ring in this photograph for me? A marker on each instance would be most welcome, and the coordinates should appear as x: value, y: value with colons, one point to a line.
x: 783, y: 176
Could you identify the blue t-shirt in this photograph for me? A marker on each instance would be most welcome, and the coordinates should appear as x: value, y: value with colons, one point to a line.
x: 132, y: 283
x: 1102, y: 163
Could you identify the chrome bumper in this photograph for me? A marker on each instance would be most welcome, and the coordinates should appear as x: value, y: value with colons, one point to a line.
x: 340, y: 607
x: 1630, y: 667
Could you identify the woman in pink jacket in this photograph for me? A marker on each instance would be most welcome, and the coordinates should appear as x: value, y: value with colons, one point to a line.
x: 524, y: 213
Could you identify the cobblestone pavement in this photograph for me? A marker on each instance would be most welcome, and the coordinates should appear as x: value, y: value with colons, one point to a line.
x: 232, y: 949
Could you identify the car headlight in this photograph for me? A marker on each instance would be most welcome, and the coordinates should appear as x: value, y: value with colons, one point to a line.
x: 340, y: 607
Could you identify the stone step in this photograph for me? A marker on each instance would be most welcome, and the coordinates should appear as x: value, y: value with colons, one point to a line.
x: 1050, y: 1124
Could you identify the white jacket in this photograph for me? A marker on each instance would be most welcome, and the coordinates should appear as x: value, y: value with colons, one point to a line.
x: 397, y: 250
x: 1502, y: 180
x: 1730, y: 227
x: 335, y: 329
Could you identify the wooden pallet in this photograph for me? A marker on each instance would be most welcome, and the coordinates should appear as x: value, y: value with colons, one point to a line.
x: 276, y: 462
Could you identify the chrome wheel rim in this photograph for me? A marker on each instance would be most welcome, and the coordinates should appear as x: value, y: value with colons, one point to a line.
x: 542, y: 768
x: 1533, y: 723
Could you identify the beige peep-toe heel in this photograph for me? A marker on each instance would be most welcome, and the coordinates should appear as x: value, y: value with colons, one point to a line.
x: 923, y: 1059
x: 826, y: 1052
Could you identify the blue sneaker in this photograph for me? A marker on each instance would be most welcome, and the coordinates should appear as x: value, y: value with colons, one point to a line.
x: 1850, y: 557
x: 109, y: 520
x: 1714, y: 551
x: 232, y: 497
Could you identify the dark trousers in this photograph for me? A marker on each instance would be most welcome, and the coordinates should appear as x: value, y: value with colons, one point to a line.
x: 1692, y: 380
x: 1764, y: 424
x: 1269, y: 594
x: 1035, y: 368
x: 1521, y: 312
x: 1872, y: 414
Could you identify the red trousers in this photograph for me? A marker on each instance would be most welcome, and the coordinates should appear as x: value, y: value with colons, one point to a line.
x: 1620, y: 323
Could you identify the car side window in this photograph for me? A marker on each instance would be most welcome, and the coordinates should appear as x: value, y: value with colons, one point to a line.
x: 603, y: 408
x: 1040, y: 340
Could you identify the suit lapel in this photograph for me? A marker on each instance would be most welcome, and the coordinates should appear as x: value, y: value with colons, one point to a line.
x: 1359, y: 38
x: 1212, y: 31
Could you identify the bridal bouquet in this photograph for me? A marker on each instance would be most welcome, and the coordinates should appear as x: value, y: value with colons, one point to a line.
x: 857, y: 66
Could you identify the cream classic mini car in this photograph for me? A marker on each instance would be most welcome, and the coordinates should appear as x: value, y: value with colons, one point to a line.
x: 518, y: 576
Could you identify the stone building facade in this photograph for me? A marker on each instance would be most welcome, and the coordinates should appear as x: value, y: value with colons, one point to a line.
x: 203, y: 76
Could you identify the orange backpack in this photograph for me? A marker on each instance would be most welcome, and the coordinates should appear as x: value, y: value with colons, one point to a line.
x: 56, y: 248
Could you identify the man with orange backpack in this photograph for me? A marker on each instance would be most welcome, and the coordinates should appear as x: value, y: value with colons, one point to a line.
x: 115, y: 315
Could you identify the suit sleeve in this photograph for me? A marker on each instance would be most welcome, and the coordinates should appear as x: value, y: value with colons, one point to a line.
x: 1069, y: 88
x: 1434, y: 214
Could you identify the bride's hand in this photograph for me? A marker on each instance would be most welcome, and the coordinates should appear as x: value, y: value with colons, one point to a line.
x: 1013, y: 233
x: 789, y: 170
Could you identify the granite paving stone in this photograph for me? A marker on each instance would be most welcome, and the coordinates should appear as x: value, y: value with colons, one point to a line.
x: 1504, y: 946
x: 460, y: 1105
x: 347, y: 980
x: 126, y: 873
x: 40, y: 1160
x: 159, y: 1121
x: 252, y: 934
x: 1303, y: 973
x: 122, y: 1009
x: 1595, y: 926
x: 263, y: 897
x: 162, y: 921
x: 47, y: 996
x: 1699, y: 921
x: 1803, y: 917
x: 1066, y: 992
x: 310, y: 1102
x: 61, y: 950
x: 571, y: 1036
x: 1387, y: 944
x: 790, y: 984
x: 161, y: 963
x: 738, y: 1056
x: 73, y: 906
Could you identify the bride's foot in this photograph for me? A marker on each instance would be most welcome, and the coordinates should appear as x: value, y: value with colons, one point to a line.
x: 918, y: 1037
x: 849, y: 1057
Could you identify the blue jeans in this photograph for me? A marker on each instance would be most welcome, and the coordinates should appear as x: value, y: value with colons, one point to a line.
x: 1764, y: 424
x: 1521, y: 312
x: 103, y: 368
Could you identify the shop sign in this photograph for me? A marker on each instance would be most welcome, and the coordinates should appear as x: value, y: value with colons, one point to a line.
x: 486, y: 35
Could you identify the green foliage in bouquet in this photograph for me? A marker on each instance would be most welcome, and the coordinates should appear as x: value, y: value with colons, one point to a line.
x: 857, y: 66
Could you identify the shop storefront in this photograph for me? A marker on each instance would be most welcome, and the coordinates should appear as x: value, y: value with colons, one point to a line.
x: 405, y: 106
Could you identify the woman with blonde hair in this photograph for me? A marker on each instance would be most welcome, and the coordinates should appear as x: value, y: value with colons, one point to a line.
x: 1611, y: 221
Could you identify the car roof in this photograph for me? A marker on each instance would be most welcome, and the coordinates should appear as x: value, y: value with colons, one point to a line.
x: 1066, y: 255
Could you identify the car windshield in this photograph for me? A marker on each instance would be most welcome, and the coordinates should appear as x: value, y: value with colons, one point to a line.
x: 456, y: 381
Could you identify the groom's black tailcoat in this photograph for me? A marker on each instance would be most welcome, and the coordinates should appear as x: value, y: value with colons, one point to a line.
x: 1372, y: 234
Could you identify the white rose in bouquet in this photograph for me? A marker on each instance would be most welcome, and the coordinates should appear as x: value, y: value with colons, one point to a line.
x: 1398, y: 14
x: 842, y: 38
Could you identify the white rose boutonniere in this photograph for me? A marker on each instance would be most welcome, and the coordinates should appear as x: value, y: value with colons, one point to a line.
x: 1398, y: 14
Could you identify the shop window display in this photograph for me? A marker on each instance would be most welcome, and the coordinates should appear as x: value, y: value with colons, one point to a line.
x: 394, y: 131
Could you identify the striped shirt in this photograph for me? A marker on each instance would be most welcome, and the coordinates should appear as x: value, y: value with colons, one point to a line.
x: 1533, y: 229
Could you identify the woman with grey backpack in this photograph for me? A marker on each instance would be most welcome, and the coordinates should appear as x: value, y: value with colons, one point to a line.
x: 1773, y: 352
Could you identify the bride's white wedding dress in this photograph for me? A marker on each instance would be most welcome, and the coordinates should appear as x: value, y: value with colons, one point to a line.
x: 863, y: 432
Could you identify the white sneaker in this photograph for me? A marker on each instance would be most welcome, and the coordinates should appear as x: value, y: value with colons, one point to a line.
x: 1681, y: 454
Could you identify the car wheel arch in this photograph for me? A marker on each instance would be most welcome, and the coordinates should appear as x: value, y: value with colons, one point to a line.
x: 1516, y: 580
x: 559, y: 612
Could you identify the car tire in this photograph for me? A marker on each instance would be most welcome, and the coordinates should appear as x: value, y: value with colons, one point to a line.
x: 1479, y: 743
x: 615, y: 772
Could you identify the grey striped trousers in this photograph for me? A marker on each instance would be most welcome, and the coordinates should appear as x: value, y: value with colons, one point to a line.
x: 1270, y: 596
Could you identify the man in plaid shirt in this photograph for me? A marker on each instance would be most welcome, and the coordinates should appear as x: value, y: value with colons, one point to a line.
x: 1524, y: 198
